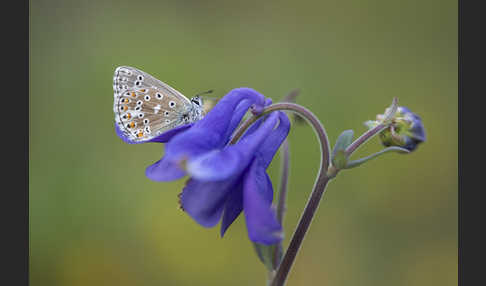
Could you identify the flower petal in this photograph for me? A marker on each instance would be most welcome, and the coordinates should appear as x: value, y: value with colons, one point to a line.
x: 205, y: 201
x: 164, y: 171
x: 169, y: 168
x: 123, y: 137
x: 232, y: 160
x: 166, y: 136
x: 261, y: 220
x: 233, y: 207
x: 221, y: 115
x: 215, y: 165
x: 271, y: 144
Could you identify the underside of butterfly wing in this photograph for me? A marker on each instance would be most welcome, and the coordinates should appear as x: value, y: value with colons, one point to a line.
x: 146, y: 107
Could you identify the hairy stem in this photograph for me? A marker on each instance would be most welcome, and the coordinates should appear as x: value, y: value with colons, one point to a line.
x: 365, y: 137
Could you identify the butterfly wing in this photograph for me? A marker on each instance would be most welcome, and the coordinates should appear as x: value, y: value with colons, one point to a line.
x: 144, y: 106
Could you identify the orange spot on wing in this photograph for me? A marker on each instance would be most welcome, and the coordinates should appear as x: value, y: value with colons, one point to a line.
x: 133, y: 94
x: 132, y: 124
x: 140, y: 134
x: 129, y: 116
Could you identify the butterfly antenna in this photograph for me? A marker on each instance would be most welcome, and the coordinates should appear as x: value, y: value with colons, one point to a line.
x: 206, y: 92
x: 208, y: 97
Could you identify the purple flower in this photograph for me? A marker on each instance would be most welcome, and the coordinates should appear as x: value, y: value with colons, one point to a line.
x: 227, y: 179
x: 247, y: 187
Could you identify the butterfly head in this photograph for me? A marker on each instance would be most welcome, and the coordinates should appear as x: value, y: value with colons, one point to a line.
x: 197, y: 101
x: 197, y: 108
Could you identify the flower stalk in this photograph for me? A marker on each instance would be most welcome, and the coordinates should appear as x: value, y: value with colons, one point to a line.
x: 318, y: 190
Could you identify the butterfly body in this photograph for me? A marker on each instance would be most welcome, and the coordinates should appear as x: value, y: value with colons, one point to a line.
x: 145, y: 107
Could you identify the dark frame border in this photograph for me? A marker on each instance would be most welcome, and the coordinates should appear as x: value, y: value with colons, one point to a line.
x: 14, y: 209
x: 471, y: 76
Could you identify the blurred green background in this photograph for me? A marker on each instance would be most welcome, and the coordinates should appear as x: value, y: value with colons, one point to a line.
x: 95, y: 219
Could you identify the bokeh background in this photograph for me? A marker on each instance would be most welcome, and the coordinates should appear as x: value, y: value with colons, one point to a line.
x: 95, y: 219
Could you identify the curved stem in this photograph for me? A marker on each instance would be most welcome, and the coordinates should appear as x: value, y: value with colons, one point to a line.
x: 304, y: 112
x: 317, y: 192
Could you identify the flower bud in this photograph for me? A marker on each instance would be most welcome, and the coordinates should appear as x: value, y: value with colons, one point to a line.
x: 405, y: 130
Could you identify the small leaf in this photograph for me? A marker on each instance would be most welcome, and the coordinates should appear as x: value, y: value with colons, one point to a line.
x: 339, y: 157
x: 358, y: 162
x: 265, y: 254
x: 343, y: 141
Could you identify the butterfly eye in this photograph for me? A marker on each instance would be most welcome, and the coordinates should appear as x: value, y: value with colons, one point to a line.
x: 196, y: 101
x: 145, y: 121
x: 172, y: 104
x: 158, y: 95
x: 147, y: 97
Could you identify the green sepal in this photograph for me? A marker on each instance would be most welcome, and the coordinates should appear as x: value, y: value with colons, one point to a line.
x: 266, y: 254
x: 356, y: 163
x: 339, y: 157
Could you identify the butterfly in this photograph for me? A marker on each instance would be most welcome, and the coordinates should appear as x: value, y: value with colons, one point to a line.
x: 145, y: 107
